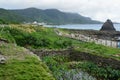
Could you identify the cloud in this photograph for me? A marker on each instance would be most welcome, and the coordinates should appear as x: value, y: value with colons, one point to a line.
x: 96, y: 9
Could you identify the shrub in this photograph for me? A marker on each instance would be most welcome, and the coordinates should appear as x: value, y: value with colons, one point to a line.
x: 104, y: 73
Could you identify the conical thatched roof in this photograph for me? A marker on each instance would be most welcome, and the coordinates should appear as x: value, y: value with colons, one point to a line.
x: 108, y: 26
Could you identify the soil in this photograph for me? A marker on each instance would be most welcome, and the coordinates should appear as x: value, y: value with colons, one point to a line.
x: 77, y: 56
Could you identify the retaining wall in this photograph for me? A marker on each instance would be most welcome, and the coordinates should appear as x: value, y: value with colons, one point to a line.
x: 85, y: 38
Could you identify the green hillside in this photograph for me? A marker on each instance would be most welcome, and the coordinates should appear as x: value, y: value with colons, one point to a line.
x: 49, y: 16
x: 10, y: 17
x: 22, y: 64
x: 54, y: 16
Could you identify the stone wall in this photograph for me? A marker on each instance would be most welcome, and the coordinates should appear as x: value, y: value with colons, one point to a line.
x: 86, y: 38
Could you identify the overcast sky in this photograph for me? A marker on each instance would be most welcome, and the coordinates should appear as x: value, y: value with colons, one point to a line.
x: 96, y: 9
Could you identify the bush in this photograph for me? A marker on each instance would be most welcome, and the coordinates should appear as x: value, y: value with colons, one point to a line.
x: 104, y: 73
x: 43, y: 38
x: 3, y: 22
x: 62, y: 43
x: 5, y: 34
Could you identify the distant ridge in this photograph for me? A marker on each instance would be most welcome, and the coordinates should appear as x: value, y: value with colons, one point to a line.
x: 50, y: 16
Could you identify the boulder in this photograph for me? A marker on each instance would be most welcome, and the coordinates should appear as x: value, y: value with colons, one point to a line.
x: 108, y: 26
x: 2, y: 59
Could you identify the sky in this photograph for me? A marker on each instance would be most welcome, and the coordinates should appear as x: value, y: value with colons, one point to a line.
x: 96, y: 9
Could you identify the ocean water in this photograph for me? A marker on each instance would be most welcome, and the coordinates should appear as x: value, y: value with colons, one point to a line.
x: 84, y: 26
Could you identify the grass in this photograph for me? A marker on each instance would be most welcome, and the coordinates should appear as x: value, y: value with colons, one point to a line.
x: 42, y: 37
x: 20, y: 61
x: 59, y: 65
x: 104, y: 73
x: 99, y: 50
x: 34, y: 37
x: 38, y: 37
x: 22, y: 65
x: 96, y: 49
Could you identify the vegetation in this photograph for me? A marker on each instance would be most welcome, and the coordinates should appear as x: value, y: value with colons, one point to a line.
x: 22, y: 65
x: 56, y: 65
x: 59, y: 65
x: 33, y: 37
x: 50, y: 16
x: 96, y: 49
x: 20, y: 60
x: 8, y: 17
x: 99, y: 50
x: 103, y: 73
x: 2, y: 21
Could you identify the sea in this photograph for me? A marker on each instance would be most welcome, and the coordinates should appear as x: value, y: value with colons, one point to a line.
x: 83, y: 26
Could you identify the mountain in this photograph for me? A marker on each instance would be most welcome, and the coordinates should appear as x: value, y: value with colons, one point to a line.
x: 7, y: 16
x: 50, y: 16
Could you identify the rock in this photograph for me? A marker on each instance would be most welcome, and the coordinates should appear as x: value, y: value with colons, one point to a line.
x: 2, y: 59
x: 108, y: 26
x: 3, y: 40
